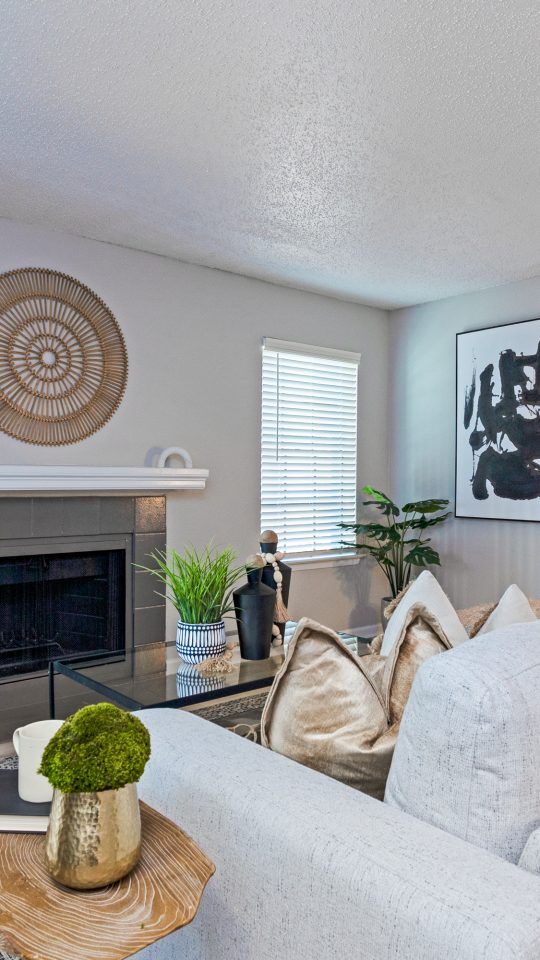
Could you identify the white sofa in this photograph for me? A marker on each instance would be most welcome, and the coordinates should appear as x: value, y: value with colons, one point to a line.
x: 309, y: 869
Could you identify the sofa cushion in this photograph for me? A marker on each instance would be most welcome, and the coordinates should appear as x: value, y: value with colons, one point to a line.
x: 339, y: 713
x: 421, y: 637
x: 474, y: 618
x: 513, y: 607
x: 325, y: 710
x: 427, y: 591
x: 530, y: 857
x: 307, y: 868
x: 467, y: 755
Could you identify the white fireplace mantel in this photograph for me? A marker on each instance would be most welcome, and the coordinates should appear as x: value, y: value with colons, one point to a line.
x: 48, y: 481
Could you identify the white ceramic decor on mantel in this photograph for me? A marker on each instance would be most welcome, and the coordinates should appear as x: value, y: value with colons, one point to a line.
x: 48, y: 481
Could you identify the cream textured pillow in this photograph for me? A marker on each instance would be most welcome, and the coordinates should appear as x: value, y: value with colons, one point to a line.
x: 338, y: 713
x: 427, y: 591
x: 466, y: 759
x: 530, y: 857
x: 513, y: 607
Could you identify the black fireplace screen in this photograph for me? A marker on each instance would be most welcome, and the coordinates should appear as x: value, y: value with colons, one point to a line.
x: 60, y: 604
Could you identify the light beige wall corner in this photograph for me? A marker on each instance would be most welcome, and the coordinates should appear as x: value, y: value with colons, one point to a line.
x: 479, y: 557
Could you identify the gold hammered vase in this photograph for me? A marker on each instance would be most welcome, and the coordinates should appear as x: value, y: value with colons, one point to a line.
x: 93, y: 838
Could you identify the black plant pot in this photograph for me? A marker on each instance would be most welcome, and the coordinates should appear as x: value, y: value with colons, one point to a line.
x: 384, y: 603
x: 254, y: 610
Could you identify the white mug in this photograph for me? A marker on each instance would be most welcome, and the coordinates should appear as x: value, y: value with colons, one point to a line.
x: 29, y: 743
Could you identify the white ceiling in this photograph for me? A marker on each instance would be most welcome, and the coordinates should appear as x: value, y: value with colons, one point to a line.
x: 385, y: 151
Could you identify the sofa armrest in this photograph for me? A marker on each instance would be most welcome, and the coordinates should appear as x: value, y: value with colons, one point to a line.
x: 308, y: 868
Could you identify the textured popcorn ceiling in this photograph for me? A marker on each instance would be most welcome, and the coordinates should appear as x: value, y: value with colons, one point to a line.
x: 379, y: 150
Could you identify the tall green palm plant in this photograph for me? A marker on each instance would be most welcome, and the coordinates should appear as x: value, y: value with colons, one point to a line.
x: 399, y: 544
x: 198, y: 584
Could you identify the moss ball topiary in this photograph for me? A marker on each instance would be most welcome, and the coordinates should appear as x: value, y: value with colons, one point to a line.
x: 98, y: 748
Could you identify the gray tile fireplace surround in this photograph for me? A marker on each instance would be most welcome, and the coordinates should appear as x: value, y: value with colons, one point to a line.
x: 37, y: 525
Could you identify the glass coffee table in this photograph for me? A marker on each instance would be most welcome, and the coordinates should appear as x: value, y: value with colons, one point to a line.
x: 153, y: 676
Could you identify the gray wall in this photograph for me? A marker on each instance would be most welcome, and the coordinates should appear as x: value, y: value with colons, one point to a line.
x: 480, y: 557
x: 193, y: 337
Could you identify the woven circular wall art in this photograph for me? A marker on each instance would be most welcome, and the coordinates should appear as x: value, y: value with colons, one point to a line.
x: 63, y: 360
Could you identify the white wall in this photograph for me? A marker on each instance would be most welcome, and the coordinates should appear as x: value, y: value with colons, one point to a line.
x: 193, y: 337
x: 479, y: 557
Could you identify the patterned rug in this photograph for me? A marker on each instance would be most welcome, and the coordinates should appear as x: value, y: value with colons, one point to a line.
x: 241, y: 716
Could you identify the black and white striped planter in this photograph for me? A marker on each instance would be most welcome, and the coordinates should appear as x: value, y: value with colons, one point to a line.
x: 189, y: 681
x: 199, y: 641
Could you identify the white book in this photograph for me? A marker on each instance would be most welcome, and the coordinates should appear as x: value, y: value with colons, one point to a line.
x: 16, y: 815
x: 14, y: 824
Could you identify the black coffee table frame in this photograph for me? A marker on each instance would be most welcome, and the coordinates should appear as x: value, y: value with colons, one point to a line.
x: 68, y: 668
x: 152, y: 687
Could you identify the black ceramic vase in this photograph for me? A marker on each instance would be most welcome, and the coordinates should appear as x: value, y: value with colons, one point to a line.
x: 269, y: 545
x: 254, y: 610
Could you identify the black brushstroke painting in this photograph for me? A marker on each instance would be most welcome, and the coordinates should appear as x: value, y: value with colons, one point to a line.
x: 505, y: 439
x: 470, y: 394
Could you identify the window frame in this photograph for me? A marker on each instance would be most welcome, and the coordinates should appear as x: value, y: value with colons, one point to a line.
x: 321, y: 558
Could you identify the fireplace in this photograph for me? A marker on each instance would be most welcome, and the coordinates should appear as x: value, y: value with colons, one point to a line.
x: 60, y: 604
x: 70, y: 584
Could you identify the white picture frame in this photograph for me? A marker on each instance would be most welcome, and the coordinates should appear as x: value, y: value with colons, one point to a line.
x: 498, y: 422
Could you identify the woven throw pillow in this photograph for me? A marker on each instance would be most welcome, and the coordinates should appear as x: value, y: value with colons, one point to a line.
x: 473, y: 618
x: 513, y: 607
x: 427, y: 591
x: 530, y: 857
x: 339, y: 713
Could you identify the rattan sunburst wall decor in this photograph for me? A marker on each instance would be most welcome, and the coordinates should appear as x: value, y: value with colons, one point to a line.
x: 63, y: 360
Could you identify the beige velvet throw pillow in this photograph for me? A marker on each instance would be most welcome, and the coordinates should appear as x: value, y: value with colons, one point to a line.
x: 421, y: 637
x: 326, y: 711
x: 339, y: 713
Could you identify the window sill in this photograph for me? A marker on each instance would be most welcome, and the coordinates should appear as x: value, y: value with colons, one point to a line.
x: 318, y: 561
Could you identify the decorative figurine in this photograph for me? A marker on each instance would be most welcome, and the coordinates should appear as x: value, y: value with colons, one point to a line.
x: 276, y: 575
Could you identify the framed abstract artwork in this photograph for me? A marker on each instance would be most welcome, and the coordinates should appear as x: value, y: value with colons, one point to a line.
x: 498, y: 422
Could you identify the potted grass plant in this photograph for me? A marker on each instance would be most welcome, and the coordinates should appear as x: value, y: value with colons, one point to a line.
x: 199, y: 585
x: 94, y: 762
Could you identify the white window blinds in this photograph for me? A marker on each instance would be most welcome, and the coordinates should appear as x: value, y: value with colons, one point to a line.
x: 308, y: 448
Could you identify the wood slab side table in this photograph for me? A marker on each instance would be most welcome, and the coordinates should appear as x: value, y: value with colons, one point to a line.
x: 42, y: 920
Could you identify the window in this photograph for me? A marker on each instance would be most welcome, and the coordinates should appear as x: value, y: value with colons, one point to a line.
x: 308, y: 444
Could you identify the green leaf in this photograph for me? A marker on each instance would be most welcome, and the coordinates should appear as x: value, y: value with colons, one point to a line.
x: 198, y: 584
x: 388, y: 509
x: 372, y: 549
x: 381, y: 501
x: 422, y: 556
x: 425, y: 506
x: 421, y: 523
x: 366, y: 529
x: 376, y: 495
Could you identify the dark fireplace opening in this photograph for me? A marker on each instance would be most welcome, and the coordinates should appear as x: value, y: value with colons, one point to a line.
x: 60, y: 604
